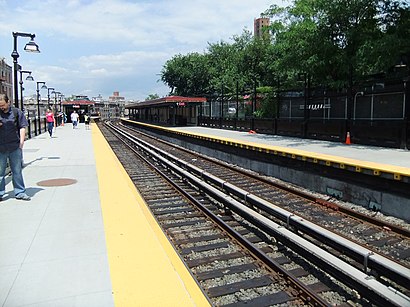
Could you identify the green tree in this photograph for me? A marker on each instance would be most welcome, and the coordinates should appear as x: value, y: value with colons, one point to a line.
x: 223, y: 66
x: 187, y: 75
x: 337, y: 41
x: 152, y: 97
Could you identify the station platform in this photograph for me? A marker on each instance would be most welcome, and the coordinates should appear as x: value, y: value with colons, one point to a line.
x: 390, y: 159
x: 375, y: 178
x: 86, y: 237
x: 389, y: 163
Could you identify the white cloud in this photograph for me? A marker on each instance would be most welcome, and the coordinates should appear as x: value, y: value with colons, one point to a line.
x: 101, y: 46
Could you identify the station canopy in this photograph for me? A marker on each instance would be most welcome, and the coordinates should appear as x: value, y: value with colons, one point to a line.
x: 78, y: 103
x: 167, y: 101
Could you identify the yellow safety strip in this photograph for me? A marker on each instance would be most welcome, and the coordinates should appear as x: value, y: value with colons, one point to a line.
x: 144, y: 267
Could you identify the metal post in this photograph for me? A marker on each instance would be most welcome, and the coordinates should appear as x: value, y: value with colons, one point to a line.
x: 38, y: 109
x: 237, y: 105
x: 48, y: 96
x: 253, y: 105
x: 237, y: 99
x: 15, y: 57
x: 55, y: 107
x: 406, y: 115
x: 21, y: 85
x: 38, y: 104
x: 277, y: 106
x: 222, y: 105
x: 349, y: 124
x: 305, y: 108
x: 21, y: 89
x: 31, y: 47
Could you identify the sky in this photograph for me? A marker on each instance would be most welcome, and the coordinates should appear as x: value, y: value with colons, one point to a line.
x: 96, y: 47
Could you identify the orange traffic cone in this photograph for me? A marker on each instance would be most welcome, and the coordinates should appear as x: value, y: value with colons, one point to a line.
x: 252, y: 132
x: 348, y: 138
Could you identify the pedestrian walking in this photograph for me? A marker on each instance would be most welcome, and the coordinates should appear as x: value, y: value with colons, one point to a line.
x: 87, y: 121
x: 51, y: 122
x: 74, y: 119
x: 13, y: 125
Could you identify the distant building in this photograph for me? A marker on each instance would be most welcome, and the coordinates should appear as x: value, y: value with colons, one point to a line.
x: 116, y: 97
x: 6, y: 80
x: 258, y: 26
x: 116, y: 105
x: 31, y: 106
x: 108, y: 109
x: 79, y: 103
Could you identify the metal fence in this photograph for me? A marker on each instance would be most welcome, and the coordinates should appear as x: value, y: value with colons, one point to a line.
x: 375, y: 114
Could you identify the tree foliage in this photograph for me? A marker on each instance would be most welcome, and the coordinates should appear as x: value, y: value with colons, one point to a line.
x: 333, y: 42
x: 152, y: 96
x: 187, y: 75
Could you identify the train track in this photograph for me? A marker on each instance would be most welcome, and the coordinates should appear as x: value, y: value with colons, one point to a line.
x: 259, y: 231
x: 376, y: 236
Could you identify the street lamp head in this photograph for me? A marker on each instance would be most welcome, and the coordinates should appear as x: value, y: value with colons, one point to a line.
x: 30, y: 77
x: 43, y: 87
x: 31, y: 46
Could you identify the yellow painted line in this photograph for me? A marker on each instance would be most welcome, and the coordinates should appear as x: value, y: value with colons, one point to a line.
x: 358, y: 164
x: 378, y: 167
x: 144, y: 268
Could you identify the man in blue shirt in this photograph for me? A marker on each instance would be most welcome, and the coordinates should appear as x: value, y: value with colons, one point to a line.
x: 13, y: 125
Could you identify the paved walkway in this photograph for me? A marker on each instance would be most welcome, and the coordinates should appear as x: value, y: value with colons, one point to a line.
x: 77, y: 242
x: 52, y: 248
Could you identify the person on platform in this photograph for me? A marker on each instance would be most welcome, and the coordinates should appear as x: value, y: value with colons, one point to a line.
x: 87, y: 121
x: 51, y: 122
x: 74, y: 119
x: 13, y: 125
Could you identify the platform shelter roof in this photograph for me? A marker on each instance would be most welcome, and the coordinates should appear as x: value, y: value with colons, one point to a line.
x: 83, y: 102
x: 166, y: 101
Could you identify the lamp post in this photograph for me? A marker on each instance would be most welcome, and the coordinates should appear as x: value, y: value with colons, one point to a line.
x: 38, y: 103
x: 29, y: 78
x: 61, y: 113
x: 31, y: 46
x: 60, y: 100
x: 55, y: 99
x: 55, y: 104
x: 48, y: 95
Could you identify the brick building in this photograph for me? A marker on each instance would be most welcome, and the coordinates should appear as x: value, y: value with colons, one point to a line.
x: 6, y: 79
x: 258, y: 26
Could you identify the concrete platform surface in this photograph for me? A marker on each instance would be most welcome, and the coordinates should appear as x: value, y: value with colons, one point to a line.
x: 363, y: 153
x: 86, y: 237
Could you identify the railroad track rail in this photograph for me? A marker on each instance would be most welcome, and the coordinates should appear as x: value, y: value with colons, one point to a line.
x: 373, y: 236
x: 369, y: 288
